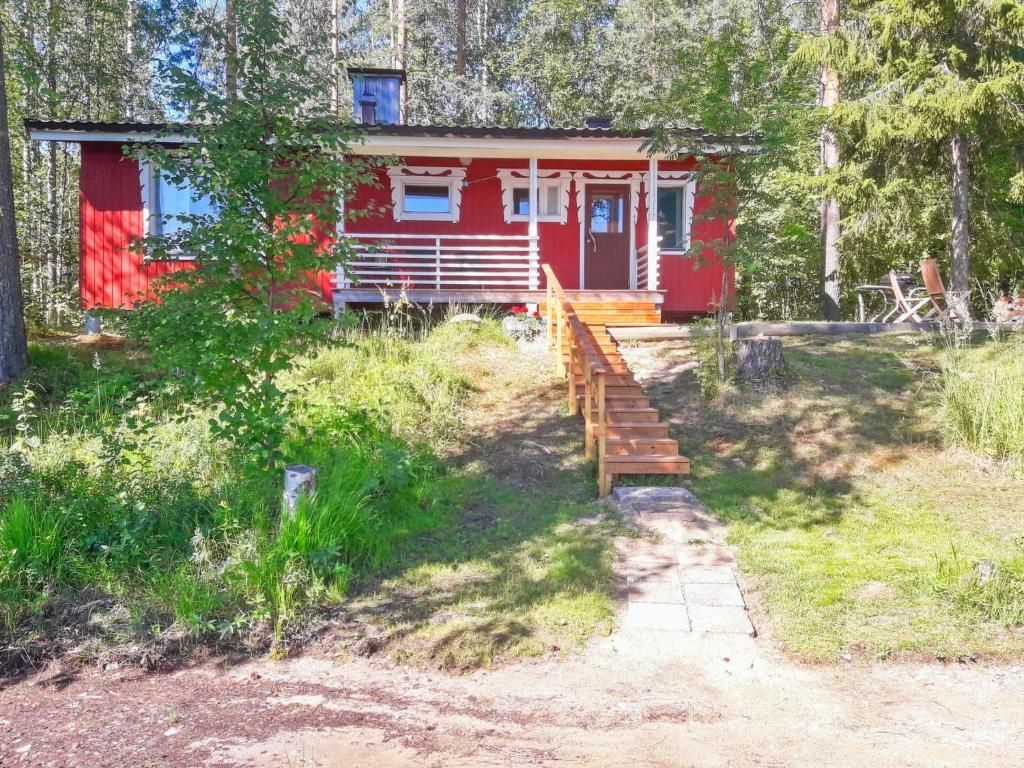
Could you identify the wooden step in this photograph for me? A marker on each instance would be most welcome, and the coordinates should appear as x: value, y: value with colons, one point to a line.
x: 642, y: 446
x: 614, y: 367
x: 635, y: 430
x: 631, y: 415
x: 647, y: 465
x: 613, y: 380
x: 622, y: 402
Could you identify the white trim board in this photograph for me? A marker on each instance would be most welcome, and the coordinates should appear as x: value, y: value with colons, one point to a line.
x: 452, y: 177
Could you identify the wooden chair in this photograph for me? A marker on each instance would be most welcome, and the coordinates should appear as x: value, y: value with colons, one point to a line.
x: 942, y: 307
x: 908, y: 304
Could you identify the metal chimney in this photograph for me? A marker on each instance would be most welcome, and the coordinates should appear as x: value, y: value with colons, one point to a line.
x: 376, y: 95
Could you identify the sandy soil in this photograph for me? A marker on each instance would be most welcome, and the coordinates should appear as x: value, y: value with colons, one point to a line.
x: 631, y: 699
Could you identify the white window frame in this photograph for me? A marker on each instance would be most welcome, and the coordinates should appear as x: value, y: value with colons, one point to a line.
x: 151, y: 218
x: 426, y: 176
x: 514, y: 178
x: 676, y: 180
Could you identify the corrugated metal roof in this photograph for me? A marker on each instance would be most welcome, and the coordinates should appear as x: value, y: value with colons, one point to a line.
x: 412, y: 129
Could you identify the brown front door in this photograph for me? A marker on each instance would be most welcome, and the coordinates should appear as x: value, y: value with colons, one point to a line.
x: 606, y: 237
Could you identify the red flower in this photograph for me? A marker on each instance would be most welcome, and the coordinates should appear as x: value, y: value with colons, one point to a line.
x: 537, y: 314
x: 519, y: 309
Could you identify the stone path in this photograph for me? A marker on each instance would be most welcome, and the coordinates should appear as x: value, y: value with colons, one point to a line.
x: 683, y: 578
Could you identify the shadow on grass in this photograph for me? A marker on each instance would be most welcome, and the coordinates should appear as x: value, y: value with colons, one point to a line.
x: 753, y: 452
x: 525, y: 564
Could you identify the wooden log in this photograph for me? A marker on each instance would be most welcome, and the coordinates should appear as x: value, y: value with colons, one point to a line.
x: 770, y: 330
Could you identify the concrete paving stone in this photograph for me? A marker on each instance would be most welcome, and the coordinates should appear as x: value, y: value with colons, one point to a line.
x: 650, y: 569
x: 664, y: 616
x: 704, y: 555
x: 718, y: 595
x: 662, y: 589
x: 727, y: 620
x: 633, y: 495
x: 706, y: 574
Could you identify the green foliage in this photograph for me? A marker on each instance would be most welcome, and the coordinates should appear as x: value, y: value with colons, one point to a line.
x: 914, y: 75
x: 706, y: 347
x: 271, y: 163
x: 746, y: 87
x: 166, y: 523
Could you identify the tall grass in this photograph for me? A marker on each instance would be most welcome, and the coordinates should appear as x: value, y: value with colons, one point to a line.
x: 122, y: 491
x: 983, y: 399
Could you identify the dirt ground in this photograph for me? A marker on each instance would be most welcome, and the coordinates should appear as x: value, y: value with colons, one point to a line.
x: 629, y: 699
x: 634, y: 698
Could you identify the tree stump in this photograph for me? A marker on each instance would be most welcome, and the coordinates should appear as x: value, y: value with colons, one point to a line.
x: 758, y: 359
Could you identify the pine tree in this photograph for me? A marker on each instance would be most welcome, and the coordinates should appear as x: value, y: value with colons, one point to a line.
x: 943, y: 85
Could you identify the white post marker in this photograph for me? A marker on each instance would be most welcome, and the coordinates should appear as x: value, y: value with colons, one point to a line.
x: 299, y: 481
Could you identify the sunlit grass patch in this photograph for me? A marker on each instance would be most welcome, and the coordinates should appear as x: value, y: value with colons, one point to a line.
x: 859, y: 529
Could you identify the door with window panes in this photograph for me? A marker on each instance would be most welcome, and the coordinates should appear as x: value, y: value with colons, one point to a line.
x: 606, y: 237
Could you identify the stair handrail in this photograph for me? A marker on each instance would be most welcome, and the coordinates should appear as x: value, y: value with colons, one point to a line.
x: 571, y: 332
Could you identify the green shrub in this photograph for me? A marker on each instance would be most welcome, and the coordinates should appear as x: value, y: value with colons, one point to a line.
x: 127, y: 492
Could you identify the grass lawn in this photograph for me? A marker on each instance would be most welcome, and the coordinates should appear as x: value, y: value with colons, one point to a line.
x: 456, y: 523
x: 860, y: 530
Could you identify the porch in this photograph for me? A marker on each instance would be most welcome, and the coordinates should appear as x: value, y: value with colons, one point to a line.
x: 480, y: 230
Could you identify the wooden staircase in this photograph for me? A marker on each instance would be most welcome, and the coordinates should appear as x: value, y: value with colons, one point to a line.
x: 622, y: 430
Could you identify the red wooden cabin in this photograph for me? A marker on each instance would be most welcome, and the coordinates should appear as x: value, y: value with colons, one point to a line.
x: 458, y: 225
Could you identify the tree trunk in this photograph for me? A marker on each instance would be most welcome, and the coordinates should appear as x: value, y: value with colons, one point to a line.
x: 230, y: 50
x: 960, y: 274
x: 13, y: 344
x: 758, y: 359
x: 402, y: 44
x: 335, y: 56
x: 828, y: 98
x: 460, y: 37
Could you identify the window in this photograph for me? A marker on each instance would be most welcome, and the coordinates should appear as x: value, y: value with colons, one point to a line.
x: 368, y: 112
x: 165, y: 204
x: 552, y: 194
x: 673, y: 217
x: 423, y: 198
x: 426, y: 193
x: 607, y: 212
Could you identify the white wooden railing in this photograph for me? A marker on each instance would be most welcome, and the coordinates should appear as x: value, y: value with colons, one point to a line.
x: 641, y: 267
x: 503, y: 262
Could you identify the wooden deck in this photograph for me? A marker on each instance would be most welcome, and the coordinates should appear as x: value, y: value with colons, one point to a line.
x: 622, y: 430
x: 444, y: 297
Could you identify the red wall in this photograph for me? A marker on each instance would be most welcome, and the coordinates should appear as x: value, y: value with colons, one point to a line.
x: 111, y: 210
x: 110, y: 195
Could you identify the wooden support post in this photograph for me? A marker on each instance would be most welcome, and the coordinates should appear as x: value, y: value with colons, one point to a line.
x: 588, y: 414
x: 534, y: 271
x: 549, y: 314
x: 603, y: 478
x: 573, y: 404
x: 653, y: 255
x: 559, y: 322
